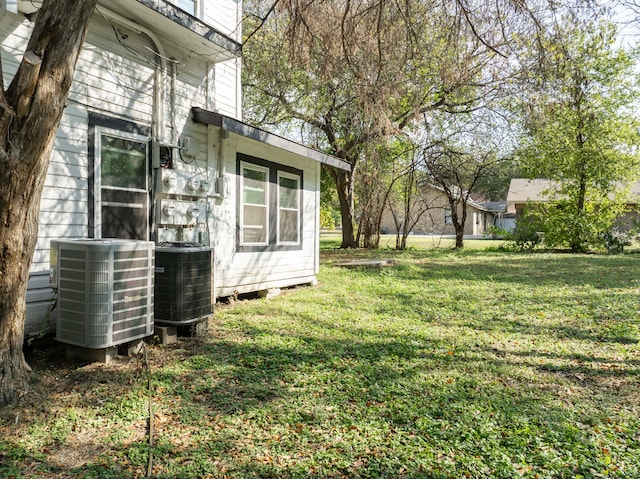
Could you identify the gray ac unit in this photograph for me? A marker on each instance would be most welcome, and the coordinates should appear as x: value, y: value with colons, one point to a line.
x: 105, y: 290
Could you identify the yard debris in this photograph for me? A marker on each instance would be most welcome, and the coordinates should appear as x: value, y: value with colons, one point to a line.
x: 368, y: 263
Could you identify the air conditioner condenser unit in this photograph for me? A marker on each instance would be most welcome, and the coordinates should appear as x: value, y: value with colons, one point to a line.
x: 105, y: 290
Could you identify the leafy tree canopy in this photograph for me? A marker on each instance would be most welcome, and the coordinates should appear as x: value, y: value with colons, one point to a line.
x: 581, y: 131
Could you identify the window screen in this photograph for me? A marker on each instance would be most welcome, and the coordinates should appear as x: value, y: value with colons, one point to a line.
x: 122, y: 177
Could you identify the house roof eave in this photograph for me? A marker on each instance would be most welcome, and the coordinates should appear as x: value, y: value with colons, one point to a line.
x: 177, y: 26
x: 237, y: 127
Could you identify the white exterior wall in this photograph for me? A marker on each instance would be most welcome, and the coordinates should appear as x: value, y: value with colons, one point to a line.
x: 114, y: 77
x: 227, y: 84
x: 108, y: 80
x: 224, y: 15
x: 243, y: 272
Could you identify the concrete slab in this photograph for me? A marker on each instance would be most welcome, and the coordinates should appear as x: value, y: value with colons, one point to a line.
x: 166, y: 334
x: 131, y: 348
x: 104, y: 355
x: 368, y: 263
x: 269, y: 293
x: 196, y: 329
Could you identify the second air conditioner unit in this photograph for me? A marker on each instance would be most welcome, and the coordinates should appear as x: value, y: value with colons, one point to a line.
x: 182, y: 283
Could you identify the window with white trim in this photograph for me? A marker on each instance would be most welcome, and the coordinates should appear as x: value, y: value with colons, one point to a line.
x: 288, y: 208
x: 269, y: 205
x: 121, y: 192
x: 254, y: 213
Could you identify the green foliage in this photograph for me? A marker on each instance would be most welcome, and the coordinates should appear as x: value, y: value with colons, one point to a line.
x: 513, y: 365
x: 329, y: 203
x: 582, y: 133
x: 496, y: 232
x: 528, y: 232
x: 615, y: 240
x: 327, y: 218
x: 320, y: 73
x: 566, y: 225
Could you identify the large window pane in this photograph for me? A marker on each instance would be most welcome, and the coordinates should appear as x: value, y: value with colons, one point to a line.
x: 255, y: 208
x: 124, y: 163
x: 255, y: 224
x: 288, y: 208
x: 254, y: 187
x: 288, y: 193
x: 289, y: 226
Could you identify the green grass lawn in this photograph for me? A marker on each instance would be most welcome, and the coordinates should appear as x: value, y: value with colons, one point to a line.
x: 479, y: 364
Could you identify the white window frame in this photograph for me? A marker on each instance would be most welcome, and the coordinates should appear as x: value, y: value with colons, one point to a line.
x: 291, y: 176
x: 448, y: 219
x: 97, y: 174
x: 262, y: 169
x: 196, y: 5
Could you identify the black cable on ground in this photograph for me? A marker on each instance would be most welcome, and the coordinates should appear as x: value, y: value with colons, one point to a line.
x: 150, y: 423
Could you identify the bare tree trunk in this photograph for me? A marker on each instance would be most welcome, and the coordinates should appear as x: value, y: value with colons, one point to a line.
x: 346, y: 195
x: 458, y: 219
x: 459, y: 236
x: 30, y: 111
x: 408, y: 204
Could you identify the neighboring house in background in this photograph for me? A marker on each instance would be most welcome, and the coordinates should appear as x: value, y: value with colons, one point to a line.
x: 436, y: 219
x: 152, y: 146
x: 523, y: 192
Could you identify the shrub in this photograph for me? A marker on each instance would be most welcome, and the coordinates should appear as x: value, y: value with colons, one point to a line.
x: 528, y: 232
x: 614, y: 241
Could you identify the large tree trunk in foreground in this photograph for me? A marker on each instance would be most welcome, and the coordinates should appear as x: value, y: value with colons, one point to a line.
x: 30, y: 111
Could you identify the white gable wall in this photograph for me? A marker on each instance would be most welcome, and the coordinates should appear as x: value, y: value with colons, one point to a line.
x: 240, y: 271
x: 225, y: 16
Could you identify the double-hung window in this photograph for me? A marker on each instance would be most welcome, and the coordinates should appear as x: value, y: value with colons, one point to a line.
x: 270, y: 205
x: 254, y: 215
x: 288, y: 208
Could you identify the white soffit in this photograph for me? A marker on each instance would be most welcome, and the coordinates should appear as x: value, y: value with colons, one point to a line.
x: 177, y: 26
x: 237, y: 127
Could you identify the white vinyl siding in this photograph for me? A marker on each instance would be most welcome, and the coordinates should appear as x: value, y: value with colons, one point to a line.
x: 223, y: 15
x: 246, y: 269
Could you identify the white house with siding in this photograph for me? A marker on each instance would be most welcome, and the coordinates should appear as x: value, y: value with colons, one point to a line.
x: 152, y: 147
